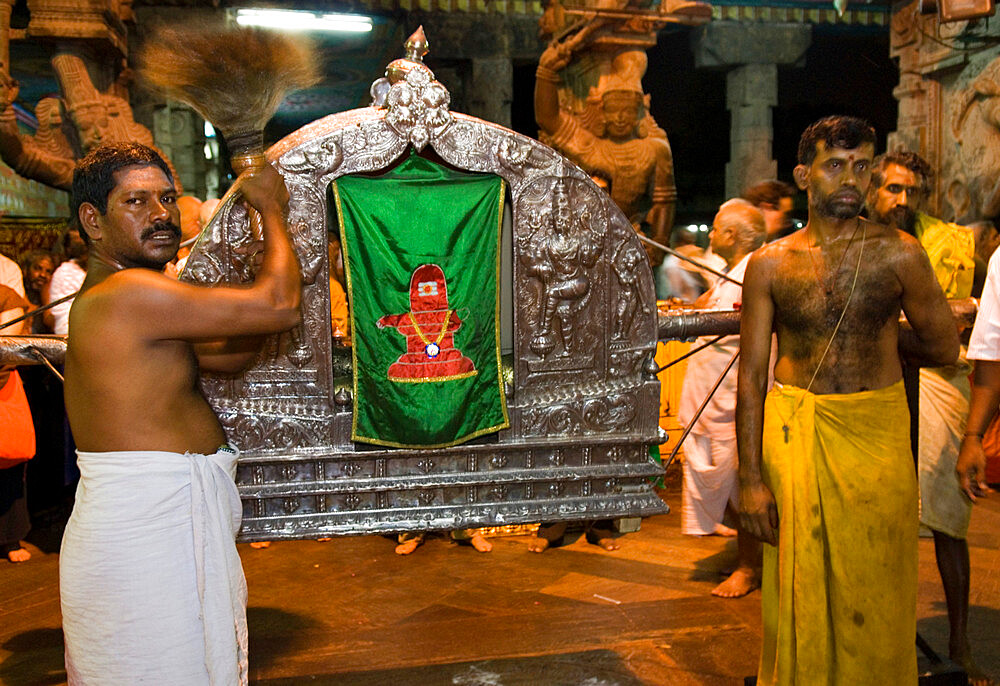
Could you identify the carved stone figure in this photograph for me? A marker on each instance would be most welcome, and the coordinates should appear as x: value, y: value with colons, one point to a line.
x: 949, y: 110
x: 47, y: 156
x: 561, y: 255
x: 97, y: 118
x: 976, y: 127
x: 589, y: 105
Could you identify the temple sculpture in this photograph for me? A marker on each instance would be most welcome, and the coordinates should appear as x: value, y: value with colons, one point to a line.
x: 589, y: 102
x: 84, y: 116
x: 949, y: 111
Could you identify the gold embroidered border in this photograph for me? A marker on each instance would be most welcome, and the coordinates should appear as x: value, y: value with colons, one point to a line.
x: 449, y: 444
x: 496, y: 314
x: 350, y: 309
x: 433, y: 379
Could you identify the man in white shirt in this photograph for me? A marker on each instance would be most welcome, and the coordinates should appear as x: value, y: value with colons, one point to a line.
x: 710, y: 463
x: 67, y: 279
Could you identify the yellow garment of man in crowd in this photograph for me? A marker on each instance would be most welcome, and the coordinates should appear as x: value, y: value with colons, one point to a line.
x: 951, y: 249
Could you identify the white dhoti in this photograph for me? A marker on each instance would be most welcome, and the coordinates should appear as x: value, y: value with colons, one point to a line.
x: 944, y: 411
x: 151, y: 585
x: 710, y: 482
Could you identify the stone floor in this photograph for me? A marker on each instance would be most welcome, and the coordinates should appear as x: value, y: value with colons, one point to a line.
x: 352, y: 613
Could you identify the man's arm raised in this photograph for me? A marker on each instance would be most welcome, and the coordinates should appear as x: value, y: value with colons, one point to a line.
x: 165, y: 308
x: 758, y: 511
x: 932, y: 338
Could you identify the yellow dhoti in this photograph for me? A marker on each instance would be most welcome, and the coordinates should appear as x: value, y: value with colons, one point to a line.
x: 839, y: 590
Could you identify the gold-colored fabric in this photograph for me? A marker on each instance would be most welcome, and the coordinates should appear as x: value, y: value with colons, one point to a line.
x: 839, y: 591
x: 951, y: 249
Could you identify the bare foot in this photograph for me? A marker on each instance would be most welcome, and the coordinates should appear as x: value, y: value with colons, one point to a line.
x: 480, y: 543
x: 260, y: 544
x: 608, y: 543
x: 723, y: 530
x: 976, y: 676
x: 538, y: 545
x: 739, y: 583
x: 409, y: 545
x: 19, y: 555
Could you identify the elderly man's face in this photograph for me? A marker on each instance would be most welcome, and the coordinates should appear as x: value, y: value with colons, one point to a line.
x: 898, y: 198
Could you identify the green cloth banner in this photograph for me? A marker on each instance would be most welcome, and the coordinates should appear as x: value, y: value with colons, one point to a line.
x: 421, y: 253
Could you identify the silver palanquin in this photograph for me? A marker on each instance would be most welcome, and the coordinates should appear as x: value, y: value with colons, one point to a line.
x: 582, y: 393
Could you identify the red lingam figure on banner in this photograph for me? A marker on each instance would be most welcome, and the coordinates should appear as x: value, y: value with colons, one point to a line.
x: 429, y: 328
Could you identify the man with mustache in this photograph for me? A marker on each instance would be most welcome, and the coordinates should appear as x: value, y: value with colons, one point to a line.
x: 151, y: 585
x: 826, y: 475
x: 898, y: 195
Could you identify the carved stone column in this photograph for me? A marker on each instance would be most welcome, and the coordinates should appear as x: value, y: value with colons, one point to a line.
x: 751, y: 92
x: 753, y: 51
x: 5, y: 9
x: 180, y: 133
x: 491, y: 87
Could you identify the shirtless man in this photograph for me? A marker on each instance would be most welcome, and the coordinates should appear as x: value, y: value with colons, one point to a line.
x: 151, y: 584
x: 826, y: 474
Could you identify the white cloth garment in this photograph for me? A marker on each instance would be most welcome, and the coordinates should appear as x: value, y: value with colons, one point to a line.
x: 985, y: 341
x: 10, y: 275
x: 944, y: 411
x: 66, y: 280
x: 710, y: 471
x: 151, y: 586
x: 710, y: 461
x: 703, y: 368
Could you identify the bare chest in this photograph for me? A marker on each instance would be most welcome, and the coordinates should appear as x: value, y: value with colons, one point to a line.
x: 812, y: 296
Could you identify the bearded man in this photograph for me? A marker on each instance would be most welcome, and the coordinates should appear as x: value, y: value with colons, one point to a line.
x: 826, y: 474
x: 898, y: 196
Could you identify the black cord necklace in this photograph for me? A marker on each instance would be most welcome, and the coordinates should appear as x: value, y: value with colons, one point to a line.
x: 830, y: 284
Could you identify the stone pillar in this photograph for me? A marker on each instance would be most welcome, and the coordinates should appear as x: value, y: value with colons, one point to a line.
x: 752, y: 51
x: 491, y: 89
x: 5, y: 9
x: 180, y: 133
x: 751, y: 92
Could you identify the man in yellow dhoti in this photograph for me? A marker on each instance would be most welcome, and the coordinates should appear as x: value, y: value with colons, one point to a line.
x: 826, y: 476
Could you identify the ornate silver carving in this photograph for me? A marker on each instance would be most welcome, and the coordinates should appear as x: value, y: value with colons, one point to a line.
x: 560, y: 254
x: 572, y: 398
x: 418, y: 107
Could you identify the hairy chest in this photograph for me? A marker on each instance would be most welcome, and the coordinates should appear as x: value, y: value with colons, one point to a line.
x: 810, y: 299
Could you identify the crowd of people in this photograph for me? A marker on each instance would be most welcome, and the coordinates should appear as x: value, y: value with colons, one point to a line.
x: 803, y: 452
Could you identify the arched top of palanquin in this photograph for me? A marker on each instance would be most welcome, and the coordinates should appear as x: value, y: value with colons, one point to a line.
x: 584, y: 318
